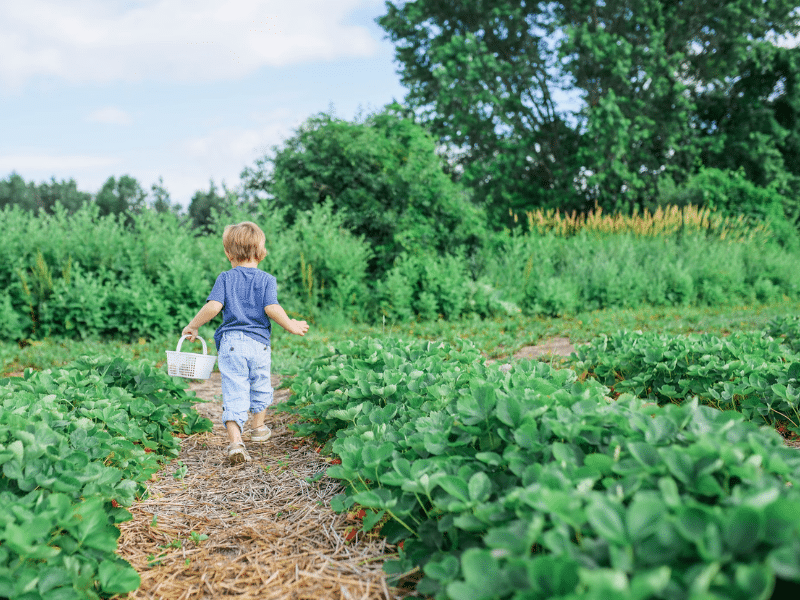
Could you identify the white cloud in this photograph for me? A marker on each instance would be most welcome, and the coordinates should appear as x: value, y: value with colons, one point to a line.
x: 110, y: 115
x: 224, y: 152
x: 185, y: 40
x: 53, y: 163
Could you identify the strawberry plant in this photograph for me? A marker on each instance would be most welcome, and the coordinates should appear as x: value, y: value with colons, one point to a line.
x: 746, y: 372
x: 76, y: 446
x: 787, y: 328
x: 537, y: 481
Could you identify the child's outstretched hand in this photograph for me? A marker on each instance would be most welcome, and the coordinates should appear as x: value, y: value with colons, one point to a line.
x: 298, y: 327
x: 191, y: 332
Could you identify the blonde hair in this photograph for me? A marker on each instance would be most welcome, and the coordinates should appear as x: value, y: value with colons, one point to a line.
x: 244, y: 242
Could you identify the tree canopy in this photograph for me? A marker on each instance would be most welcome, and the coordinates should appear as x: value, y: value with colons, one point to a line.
x: 665, y: 86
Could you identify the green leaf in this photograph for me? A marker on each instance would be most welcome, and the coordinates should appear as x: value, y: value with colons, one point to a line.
x: 607, y: 519
x: 455, y: 487
x: 509, y: 410
x: 373, y: 455
x: 643, y: 515
x: 600, y: 463
x: 479, y: 486
x: 446, y: 569
x: 371, y: 519
x: 479, y: 566
x: 490, y: 458
x: 645, y: 454
x: 741, y: 529
x: 378, y: 498
x: 669, y: 489
x: 118, y: 577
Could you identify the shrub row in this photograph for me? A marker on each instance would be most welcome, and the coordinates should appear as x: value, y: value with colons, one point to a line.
x: 746, y: 372
x: 76, y: 446
x: 82, y: 275
x: 539, y: 482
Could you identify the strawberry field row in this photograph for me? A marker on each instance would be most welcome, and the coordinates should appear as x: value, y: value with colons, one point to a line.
x: 76, y: 446
x: 538, y: 481
x: 755, y: 374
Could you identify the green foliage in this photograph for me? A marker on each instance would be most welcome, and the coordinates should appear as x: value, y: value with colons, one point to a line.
x: 205, y: 206
x: 120, y: 197
x: 787, y: 328
x: 538, y: 482
x: 428, y: 287
x: 752, y: 122
x: 744, y: 372
x: 480, y: 76
x: 76, y: 446
x: 663, y: 86
x: 86, y: 276
x: 550, y: 275
x: 382, y: 175
x: 29, y: 196
x: 730, y: 194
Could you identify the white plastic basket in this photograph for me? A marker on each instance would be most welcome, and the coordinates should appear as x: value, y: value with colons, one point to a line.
x: 189, y: 364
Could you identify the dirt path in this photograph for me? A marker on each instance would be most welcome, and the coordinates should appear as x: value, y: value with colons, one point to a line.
x: 271, y: 533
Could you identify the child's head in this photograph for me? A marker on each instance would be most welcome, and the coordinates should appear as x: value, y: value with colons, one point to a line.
x: 244, y: 242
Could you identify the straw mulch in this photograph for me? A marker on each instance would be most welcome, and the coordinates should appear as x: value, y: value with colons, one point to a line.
x: 271, y: 533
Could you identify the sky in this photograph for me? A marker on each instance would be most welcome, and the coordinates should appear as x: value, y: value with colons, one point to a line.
x: 186, y: 90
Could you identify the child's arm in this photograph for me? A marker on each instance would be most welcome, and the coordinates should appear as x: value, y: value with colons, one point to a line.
x: 277, y: 314
x: 203, y: 316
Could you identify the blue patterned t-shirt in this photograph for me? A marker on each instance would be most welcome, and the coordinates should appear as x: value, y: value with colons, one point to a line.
x: 244, y: 293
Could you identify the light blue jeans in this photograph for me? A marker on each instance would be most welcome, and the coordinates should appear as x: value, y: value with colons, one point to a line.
x: 244, y: 364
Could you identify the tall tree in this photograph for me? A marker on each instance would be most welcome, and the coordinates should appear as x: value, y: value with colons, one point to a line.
x: 66, y: 193
x: 14, y: 191
x: 120, y: 196
x: 482, y: 75
x: 753, y: 122
x: 643, y: 67
x: 205, y: 205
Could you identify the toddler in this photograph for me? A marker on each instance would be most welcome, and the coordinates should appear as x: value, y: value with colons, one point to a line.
x: 248, y: 300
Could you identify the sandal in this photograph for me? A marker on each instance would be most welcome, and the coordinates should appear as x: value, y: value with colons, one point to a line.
x: 262, y: 434
x: 237, y: 454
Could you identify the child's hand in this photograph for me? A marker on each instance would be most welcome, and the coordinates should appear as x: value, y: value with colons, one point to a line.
x: 191, y: 332
x: 298, y: 327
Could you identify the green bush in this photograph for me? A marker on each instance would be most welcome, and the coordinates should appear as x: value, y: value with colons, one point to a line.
x: 383, y: 176
x: 551, y: 275
x: 539, y: 482
x: 76, y: 448
x: 730, y: 193
x: 83, y: 275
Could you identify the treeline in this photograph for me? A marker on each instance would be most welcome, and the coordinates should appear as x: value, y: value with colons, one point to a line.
x: 117, y: 196
x: 671, y: 104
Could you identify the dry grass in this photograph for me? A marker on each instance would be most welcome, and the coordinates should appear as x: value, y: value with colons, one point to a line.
x: 665, y: 221
x: 271, y: 533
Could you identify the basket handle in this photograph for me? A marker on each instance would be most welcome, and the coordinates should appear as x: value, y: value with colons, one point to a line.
x: 180, y: 342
